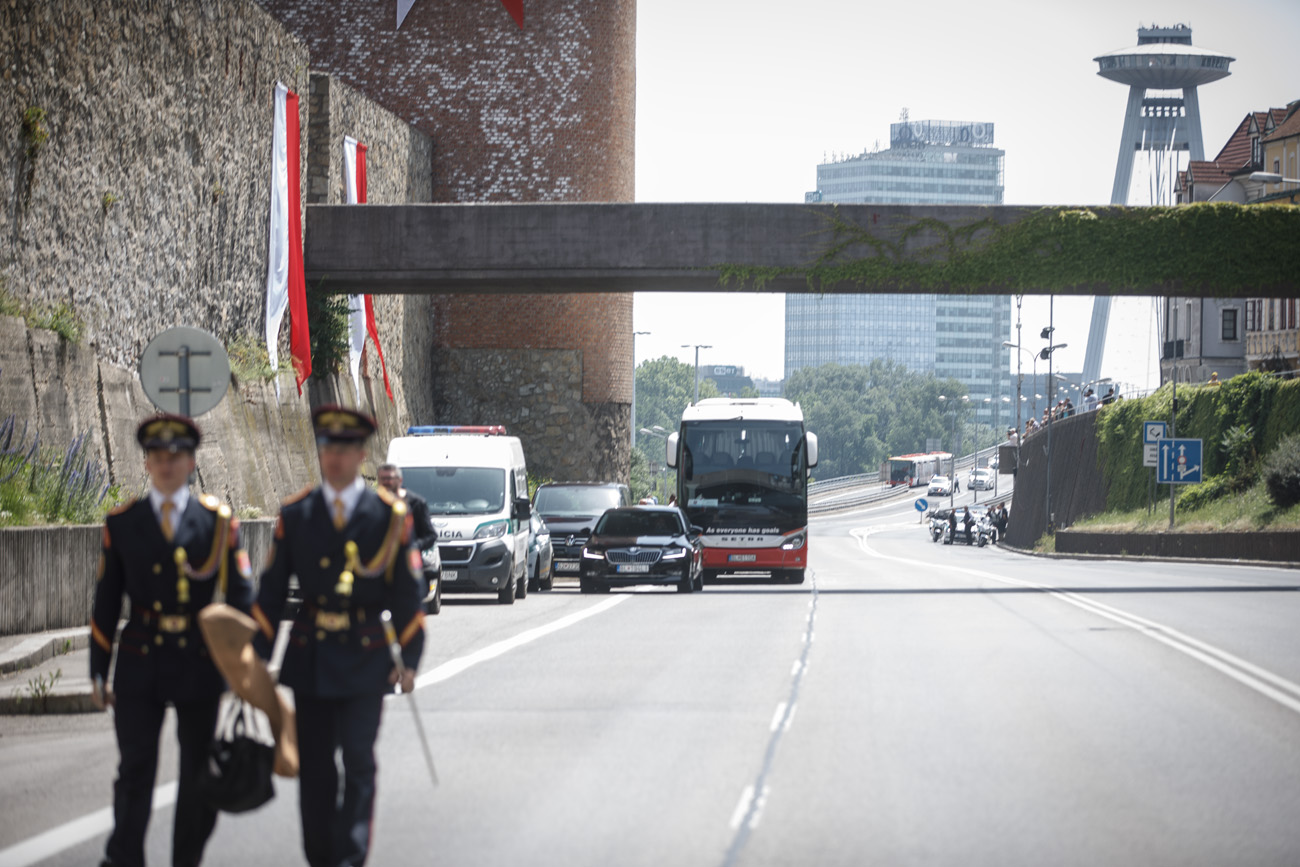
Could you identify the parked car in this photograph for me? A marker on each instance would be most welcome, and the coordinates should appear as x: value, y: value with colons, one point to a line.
x: 643, y: 545
x: 981, y: 479
x: 570, y: 510
x: 540, y: 554
x: 941, y: 486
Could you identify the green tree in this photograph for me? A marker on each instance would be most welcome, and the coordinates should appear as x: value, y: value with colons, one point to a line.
x: 864, y: 413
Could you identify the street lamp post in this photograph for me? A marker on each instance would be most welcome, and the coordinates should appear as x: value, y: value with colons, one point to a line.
x: 658, y: 432
x: 698, y: 347
x: 1020, y: 378
x: 1046, y: 353
x: 952, y: 478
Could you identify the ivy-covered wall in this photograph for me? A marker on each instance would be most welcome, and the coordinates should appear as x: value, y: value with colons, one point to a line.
x: 1267, y: 405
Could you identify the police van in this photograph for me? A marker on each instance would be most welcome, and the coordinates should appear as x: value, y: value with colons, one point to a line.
x: 476, y: 484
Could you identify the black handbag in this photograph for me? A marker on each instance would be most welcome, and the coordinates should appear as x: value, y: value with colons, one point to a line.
x: 237, y: 775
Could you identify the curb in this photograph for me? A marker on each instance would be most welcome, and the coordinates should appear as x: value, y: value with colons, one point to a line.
x: 1147, y: 558
x: 54, y: 703
x: 33, y: 651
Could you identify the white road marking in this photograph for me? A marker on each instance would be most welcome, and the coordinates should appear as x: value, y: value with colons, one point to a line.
x: 453, y: 667
x: 796, y: 668
x: 77, y: 831
x: 742, y: 807
x: 45, y: 845
x: 789, y: 718
x: 1266, y: 683
x: 777, y: 717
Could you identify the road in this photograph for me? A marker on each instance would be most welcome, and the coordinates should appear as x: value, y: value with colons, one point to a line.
x: 912, y: 703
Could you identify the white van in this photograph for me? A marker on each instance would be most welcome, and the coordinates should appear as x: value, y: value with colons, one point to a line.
x: 476, y: 484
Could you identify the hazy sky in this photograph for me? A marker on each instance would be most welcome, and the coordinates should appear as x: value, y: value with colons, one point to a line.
x: 739, y: 102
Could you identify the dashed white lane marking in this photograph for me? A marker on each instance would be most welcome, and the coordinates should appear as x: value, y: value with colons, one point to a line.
x: 789, y: 718
x: 796, y: 668
x: 1275, y: 687
x: 777, y: 717
x: 749, y: 806
x: 69, y: 834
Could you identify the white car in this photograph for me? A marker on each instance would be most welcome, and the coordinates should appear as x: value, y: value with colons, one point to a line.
x: 940, y: 486
x: 980, y: 480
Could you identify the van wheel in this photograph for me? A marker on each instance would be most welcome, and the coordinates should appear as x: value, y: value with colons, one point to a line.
x: 506, y: 595
x: 521, y: 586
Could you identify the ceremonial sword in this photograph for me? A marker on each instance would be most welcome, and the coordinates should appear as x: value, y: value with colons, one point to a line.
x: 395, y: 649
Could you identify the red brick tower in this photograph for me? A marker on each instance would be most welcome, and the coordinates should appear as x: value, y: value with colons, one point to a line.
x: 539, y: 114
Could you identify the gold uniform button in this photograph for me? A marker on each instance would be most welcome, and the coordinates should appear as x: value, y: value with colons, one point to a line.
x: 324, y: 562
x: 320, y: 634
x: 157, y: 568
x: 365, y: 641
x: 157, y: 606
x: 321, y: 599
x: 157, y: 639
x: 144, y: 650
x: 180, y: 642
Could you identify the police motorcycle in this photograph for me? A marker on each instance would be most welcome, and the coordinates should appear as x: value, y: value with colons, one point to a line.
x: 981, y: 532
x: 938, y: 523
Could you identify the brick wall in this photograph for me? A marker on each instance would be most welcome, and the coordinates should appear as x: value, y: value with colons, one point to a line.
x: 545, y: 113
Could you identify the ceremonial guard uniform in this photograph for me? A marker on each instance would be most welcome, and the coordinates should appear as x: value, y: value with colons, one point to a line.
x: 170, y: 554
x: 350, y: 548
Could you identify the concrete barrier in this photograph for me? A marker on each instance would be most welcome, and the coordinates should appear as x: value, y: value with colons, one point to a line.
x: 1278, y: 546
x: 47, y: 574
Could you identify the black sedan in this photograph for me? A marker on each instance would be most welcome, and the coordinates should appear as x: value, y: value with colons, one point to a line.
x: 642, y: 545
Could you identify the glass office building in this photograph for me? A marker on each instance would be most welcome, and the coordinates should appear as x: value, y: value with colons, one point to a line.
x: 927, y: 163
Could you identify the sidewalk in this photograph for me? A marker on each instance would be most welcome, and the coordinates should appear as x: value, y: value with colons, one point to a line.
x: 46, y: 673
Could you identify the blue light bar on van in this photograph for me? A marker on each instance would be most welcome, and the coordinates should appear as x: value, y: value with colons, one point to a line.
x: 424, y: 430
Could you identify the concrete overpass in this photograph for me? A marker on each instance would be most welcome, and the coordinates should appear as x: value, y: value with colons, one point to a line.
x: 614, y: 247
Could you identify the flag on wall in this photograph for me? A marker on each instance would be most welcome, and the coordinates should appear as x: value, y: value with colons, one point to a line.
x: 362, y: 317
x: 285, y: 286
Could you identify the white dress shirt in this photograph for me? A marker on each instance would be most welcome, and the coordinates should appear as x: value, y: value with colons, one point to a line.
x: 179, y: 499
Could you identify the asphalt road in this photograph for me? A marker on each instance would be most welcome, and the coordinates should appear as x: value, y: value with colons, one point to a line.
x: 912, y: 703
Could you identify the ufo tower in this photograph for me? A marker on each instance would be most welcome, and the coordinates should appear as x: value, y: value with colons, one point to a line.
x: 1161, y: 66
x: 1164, y: 61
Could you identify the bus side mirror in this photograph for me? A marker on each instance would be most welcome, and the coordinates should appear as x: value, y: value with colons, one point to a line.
x: 812, y: 449
x: 670, y: 451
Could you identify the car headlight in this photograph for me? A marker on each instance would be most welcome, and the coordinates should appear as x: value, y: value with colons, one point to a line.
x: 543, y: 539
x: 674, y: 553
x: 592, y: 555
x: 794, y: 543
x: 430, y: 557
x: 495, y: 530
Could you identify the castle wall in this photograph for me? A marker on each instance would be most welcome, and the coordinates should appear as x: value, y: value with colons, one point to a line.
x: 147, y: 206
x: 543, y: 113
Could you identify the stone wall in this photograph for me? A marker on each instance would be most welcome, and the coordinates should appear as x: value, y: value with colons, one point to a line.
x: 147, y: 206
x: 538, y: 395
x: 1078, y: 487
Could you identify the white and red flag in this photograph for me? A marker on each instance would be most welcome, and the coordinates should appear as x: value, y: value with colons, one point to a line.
x: 285, y: 286
x: 362, y: 317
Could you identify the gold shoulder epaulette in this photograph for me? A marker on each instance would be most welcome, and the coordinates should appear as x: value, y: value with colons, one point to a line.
x: 386, y: 495
x: 117, y: 510
x: 289, y: 501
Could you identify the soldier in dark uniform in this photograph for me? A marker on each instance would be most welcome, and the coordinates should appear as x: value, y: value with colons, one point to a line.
x: 349, y: 545
x: 170, y: 553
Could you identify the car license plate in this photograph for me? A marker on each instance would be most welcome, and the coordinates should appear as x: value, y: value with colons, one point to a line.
x: 566, y: 565
x: 633, y: 567
x: 742, y: 558
x: 450, y: 574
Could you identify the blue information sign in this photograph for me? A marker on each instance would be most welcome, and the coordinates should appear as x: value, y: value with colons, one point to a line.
x: 922, y: 504
x: 1154, y: 431
x: 1180, y: 462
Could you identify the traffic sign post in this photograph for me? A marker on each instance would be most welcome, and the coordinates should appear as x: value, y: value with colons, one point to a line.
x: 921, y: 505
x: 1180, y: 462
x: 1152, y: 433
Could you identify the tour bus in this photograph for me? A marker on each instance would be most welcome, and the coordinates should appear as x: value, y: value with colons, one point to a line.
x: 742, y: 478
x: 913, y: 470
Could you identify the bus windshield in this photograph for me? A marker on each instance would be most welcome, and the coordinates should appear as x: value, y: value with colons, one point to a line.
x: 745, y: 467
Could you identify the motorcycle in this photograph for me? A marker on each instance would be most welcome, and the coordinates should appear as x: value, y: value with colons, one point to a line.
x: 980, y: 533
x: 938, y: 525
